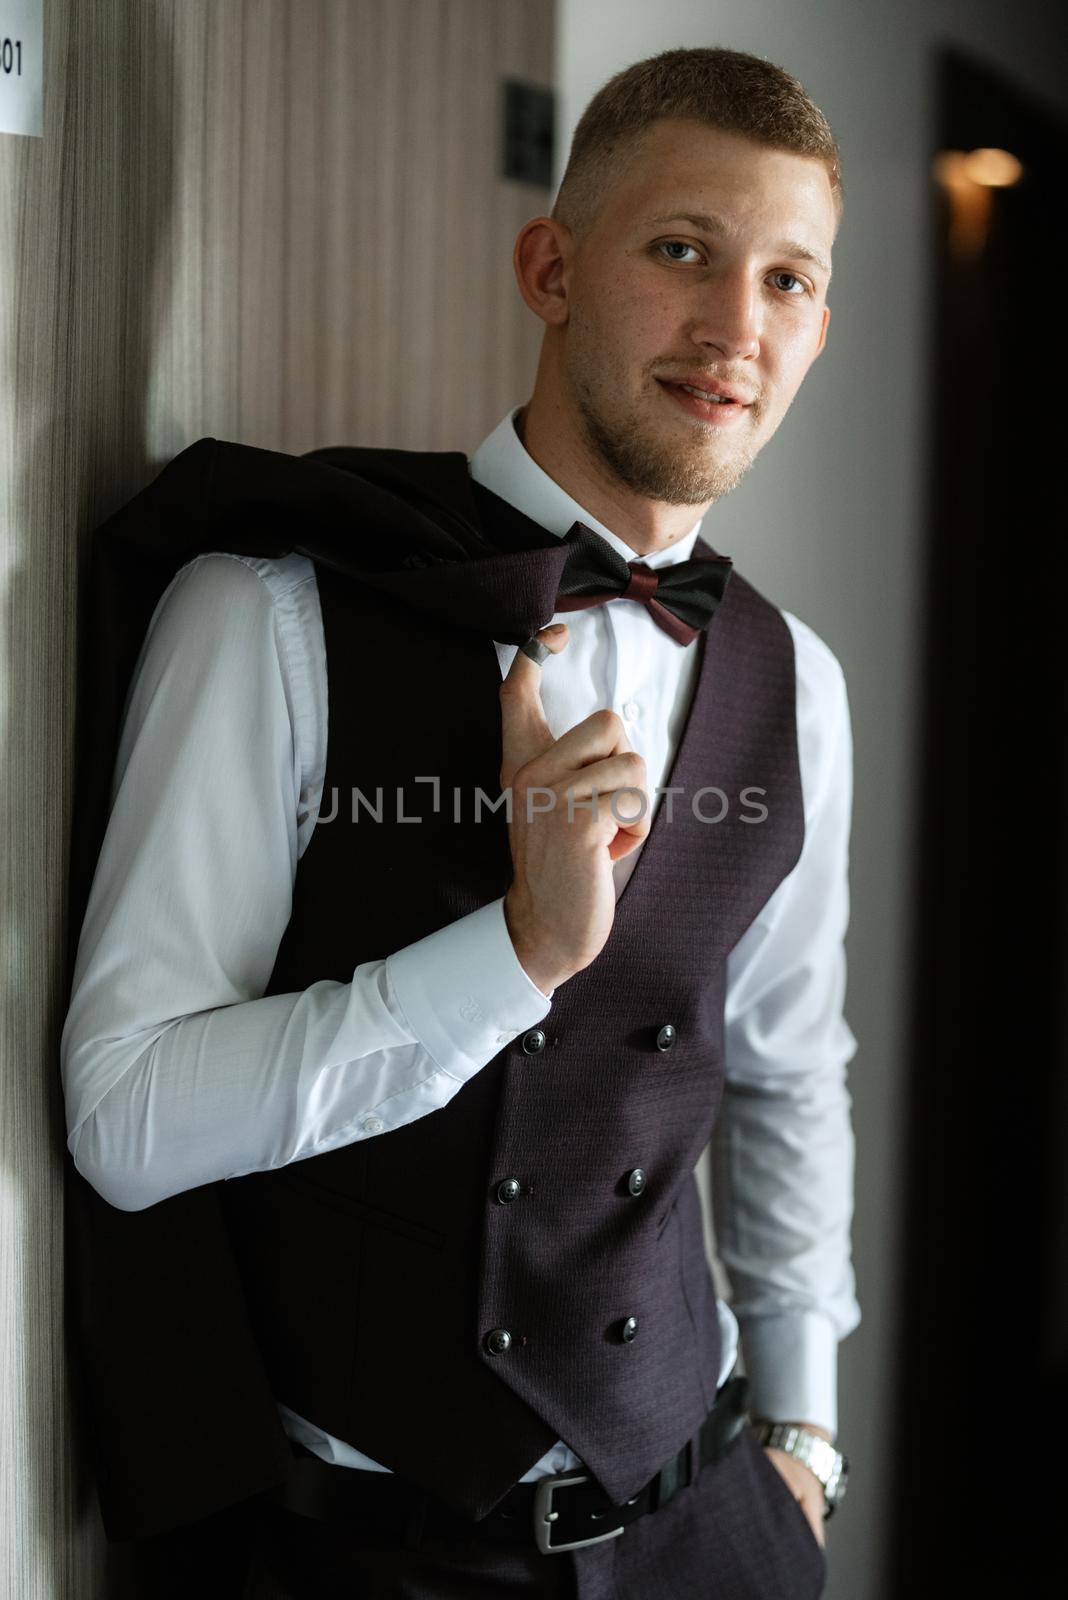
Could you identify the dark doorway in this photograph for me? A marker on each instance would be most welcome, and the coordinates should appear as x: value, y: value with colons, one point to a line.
x: 981, y: 1451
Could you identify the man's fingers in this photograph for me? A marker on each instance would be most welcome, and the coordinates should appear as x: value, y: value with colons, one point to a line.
x: 524, y: 730
x: 805, y: 1487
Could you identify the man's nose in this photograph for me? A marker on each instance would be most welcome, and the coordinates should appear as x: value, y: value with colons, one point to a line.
x: 730, y: 318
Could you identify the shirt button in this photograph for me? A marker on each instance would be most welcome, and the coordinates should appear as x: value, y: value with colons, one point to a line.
x: 498, y: 1341
x: 666, y: 1037
x: 629, y: 1330
x: 534, y: 1041
x: 509, y: 1189
x: 636, y: 1181
x: 503, y: 1038
x: 372, y: 1125
x: 631, y: 710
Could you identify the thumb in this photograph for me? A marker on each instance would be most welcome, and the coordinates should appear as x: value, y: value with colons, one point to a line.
x: 524, y: 730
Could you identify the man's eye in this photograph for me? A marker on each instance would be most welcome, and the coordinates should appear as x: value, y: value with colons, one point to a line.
x: 676, y: 244
x: 793, y: 276
x: 671, y: 246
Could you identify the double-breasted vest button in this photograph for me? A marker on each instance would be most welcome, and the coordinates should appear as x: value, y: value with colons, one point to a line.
x: 534, y: 1041
x: 510, y: 1189
x: 629, y: 1330
x: 636, y: 1181
x: 498, y: 1340
x: 666, y: 1037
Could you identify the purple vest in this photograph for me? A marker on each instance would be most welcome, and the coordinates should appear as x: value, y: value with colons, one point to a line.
x: 382, y: 1275
x: 369, y: 1288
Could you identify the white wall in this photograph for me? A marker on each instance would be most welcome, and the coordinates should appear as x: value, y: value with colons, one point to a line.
x: 829, y: 524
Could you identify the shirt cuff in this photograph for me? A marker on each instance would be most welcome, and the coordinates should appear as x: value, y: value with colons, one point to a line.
x: 791, y: 1361
x: 464, y: 992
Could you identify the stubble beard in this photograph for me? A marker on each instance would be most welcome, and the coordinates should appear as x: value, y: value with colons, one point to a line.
x: 677, y: 473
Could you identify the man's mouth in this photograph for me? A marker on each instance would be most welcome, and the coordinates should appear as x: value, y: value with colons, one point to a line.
x: 704, y: 403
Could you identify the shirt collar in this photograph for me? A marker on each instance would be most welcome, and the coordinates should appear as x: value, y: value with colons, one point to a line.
x: 502, y: 464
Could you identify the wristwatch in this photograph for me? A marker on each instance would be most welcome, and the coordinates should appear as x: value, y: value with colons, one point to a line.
x: 817, y: 1454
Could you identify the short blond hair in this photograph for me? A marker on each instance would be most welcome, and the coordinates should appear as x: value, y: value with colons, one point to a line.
x: 723, y: 88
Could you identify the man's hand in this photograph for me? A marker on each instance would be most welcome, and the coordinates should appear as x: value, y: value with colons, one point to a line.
x: 561, y: 903
x: 802, y: 1483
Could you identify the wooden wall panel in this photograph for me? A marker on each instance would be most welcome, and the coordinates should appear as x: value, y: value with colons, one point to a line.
x: 339, y: 235
x: 277, y: 221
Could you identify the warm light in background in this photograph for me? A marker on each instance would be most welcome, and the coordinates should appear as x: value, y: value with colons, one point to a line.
x: 968, y: 177
x: 997, y: 169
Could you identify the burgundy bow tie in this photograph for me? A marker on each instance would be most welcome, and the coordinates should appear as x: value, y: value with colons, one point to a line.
x: 681, y: 599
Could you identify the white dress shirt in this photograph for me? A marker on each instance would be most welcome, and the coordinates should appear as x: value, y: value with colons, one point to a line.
x: 179, y: 1071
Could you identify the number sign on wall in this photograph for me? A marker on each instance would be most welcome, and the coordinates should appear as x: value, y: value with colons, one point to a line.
x: 22, y: 67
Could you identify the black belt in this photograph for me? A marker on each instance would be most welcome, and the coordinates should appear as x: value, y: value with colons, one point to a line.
x: 563, y: 1511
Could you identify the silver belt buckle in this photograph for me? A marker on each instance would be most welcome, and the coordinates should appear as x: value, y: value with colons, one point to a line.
x: 545, y: 1516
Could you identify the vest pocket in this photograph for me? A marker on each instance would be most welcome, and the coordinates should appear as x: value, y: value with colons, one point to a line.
x: 666, y: 1218
x: 361, y: 1211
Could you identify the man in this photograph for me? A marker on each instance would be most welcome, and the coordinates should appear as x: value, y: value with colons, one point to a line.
x: 456, y: 1078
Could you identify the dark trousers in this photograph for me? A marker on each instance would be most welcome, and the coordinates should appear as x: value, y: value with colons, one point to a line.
x: 736, y: 1533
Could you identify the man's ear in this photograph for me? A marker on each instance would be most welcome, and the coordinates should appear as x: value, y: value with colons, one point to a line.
x: 541, y: 256
x: 823, y: 330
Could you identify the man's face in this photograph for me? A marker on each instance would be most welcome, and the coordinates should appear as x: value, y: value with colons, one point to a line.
x: 695, y: 269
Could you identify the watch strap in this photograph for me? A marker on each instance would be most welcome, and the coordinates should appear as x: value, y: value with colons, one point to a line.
x: 829, y: 1465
